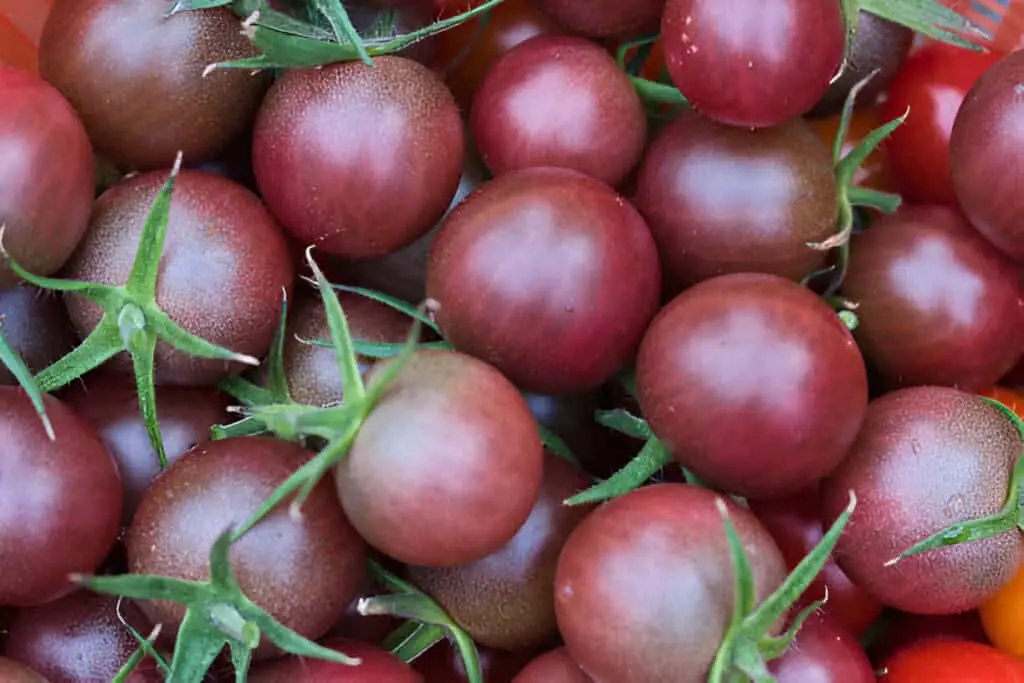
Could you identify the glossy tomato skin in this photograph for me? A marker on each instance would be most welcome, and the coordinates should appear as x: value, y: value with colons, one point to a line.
x: 926, y: 458
x: 506, y: 599
x: 302, y: 571
x: 449, y: 428
x: 16, y: 672
x: 984, y: 152
x: 946, y: 661
x: 140, y: 104
x: 795, y: 524
x: 878, y: 44
x: 753, y: 383
x: 78, y: 638
x: 224, y: 267
x: 823, y: 652
x: 547, y: 274
x: 605, y: 18
x: 110, y: 403
x: 35, y: 323
x: 777, y: 58
x: 377, y: 666
x: 932, y: 83
x: 720, y: 199
x: 559, y: 101
x: 651, y: 567
x: 937, y: 304
x: 46, y: 176
x: 360, y: 161
x: 554, y: 666
x: 60, y: 506
x: 467, y: 52
x: 314, y: 377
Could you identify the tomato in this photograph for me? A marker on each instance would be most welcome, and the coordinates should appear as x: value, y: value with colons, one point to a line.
x: 823, y: 652
x: 312, y: 371
x: 777, y: 58
x: 109, y: 402
x: 932, y: 83
x: 937, y: 304
x: 951, y: 661
x: 984, y: 152
x: 795, y: 524
x: 605, y: 18
x: 559, y: 101
x: 79, y: 637
x: 376, y: 666
x: 387, y: 141
x: 443, y: 664
x: 878, y: 44
x: 35, y: 323
x: 303, y: 571
x: 652, y: 568
x: 876, y: 172
x: 555, y: 666
x: 723, y: 200
x: 217, y: 229
x: 1001, y: 616
x: 926, y: 458
x: 46, y: 179
x: 15, y: 672
x: 506, y: 599
x: 431, y: 438
x: 753, y: 383
x: 904, y: 630
x: 556, y: 248
x: 467, y: 52
x: 60, y: 505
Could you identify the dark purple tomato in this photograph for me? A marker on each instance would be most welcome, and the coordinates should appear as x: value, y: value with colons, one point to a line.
x: 723, y: 200
x: 449, y: 428
x: 795, y: 524
x: 360, y: 161
x: 46, y: 175
x: 878, y: 44
x: 302, y: 571
x: 313, y: 374
x: 926, y: 458
x: 16, y: 672
x: 35, y: 323
x: 937, y: 303
x: 559, y: 101
x: 547, y: 274
x: 110, y: 403
x: 225, y: 266
x: 506, y: 599
x: 777, y: 58
x: 554, y: 666
x: 644, y: 589
x: 823, y: 652
x: 443, y: 664
x: 60, y: 501
x: 753, y: 383
x: 79, y: 638
x: 605, y: 18
x: 984, y: 152
x: 136, y: 78
x: 377, y: 666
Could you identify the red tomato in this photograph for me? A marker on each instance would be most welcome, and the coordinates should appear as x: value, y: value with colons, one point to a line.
x: 905, y: 631
x: 1009, y: 398
x: 21, y: 23
x: 932, y: 83
x: 952, y: 661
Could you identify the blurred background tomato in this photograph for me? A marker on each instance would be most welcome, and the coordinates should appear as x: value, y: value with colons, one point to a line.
x: 21, y: 24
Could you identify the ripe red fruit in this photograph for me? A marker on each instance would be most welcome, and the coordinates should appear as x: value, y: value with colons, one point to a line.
x: 605, y: 18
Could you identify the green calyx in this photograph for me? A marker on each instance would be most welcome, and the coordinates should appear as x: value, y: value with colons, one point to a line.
x: 427, y: 625
x: 132, y: 321
x: 748, y: 644
x: 16, y: 365
x: 217, y: 615
x: 1009, y: 518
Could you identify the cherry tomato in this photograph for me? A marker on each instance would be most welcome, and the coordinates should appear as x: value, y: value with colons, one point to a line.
x: 876, y: 171
x: 1002, y: 617
x: 952, y: 661
x: 932, y: 83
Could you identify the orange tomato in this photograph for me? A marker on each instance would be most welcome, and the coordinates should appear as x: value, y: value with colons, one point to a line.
x: 1009, y: 398
x: 21, y: 24
x: 874, y: 173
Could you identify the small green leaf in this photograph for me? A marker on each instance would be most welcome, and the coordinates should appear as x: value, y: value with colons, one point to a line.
x: 405, y: 605
x: 352, y: 387
x: 247, y: 426
x: 188, y: 343
x: 102, y: 344
x: 624, y: 422
x: 140, y: 653
x: 241, y: 659
x: 293, y: 643
x: 142, y: 350
x: 851, y: 19
x: 928, y: 18
x: 344, y: 32
x: 557, y: 445
x: 414, y: 312
x: 195, y: 649
x: 145, y: 644
x: 856, y: 156
x: 886, y: 202
x: 743, y: 574
x: 652, y: 92
x: 277, y: 380
x: 143, y: 587
x: 190, y: 5
x: 412, y: 639
x: 773, y: 648
x: 142, y: 279
x: 16, y: 365
x: 245, y: 391
x: 645, y: 465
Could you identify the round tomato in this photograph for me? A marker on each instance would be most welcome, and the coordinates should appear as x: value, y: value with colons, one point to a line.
x: 952, y: 661
x: 932, y: 84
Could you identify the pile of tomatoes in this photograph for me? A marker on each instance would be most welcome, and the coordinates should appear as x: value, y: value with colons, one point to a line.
x: 521, y: 341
